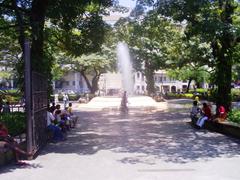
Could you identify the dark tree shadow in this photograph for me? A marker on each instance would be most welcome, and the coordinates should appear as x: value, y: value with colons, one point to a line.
x: 155, y: 136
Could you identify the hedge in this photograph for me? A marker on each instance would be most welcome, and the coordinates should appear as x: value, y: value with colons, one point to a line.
x: 15, y: 122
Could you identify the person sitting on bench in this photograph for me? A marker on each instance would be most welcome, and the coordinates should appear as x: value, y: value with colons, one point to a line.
x: 195, y: 111
x: 6, y: 141
x: 206, y: 115
x: 221, y: 114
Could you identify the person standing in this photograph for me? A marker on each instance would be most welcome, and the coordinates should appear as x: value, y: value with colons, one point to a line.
x: 124, y: 102
x: 65, y: 100
x: 1, y: 104
x: 6, y: 107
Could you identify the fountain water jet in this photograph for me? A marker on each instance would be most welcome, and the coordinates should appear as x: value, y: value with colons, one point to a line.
x: 125, y: 67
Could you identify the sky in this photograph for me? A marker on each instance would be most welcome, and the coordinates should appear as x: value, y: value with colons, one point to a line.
x: 127, y: 3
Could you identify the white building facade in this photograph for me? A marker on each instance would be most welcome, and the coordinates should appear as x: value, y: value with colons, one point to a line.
x: 71, y: 82
x: 111, y: 84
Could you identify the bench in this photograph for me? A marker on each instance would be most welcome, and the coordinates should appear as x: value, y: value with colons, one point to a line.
x: 225, y: 127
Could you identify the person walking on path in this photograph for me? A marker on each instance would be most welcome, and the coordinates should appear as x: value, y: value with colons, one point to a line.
x: 65, y: 100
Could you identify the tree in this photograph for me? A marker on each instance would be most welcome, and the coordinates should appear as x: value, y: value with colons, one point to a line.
x: 28, y: 20
x: 217, y: 23
x: 190, y: 73
x: 153, y: 41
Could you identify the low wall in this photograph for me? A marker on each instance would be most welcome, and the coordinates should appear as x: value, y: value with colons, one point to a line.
x: 226, y: 128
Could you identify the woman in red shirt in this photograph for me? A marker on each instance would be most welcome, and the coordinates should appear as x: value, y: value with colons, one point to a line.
x: 6, y: 141
x: 207, y: 115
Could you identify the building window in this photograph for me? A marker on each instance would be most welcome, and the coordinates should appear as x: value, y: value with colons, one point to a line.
x: 164, y: 79
x: 142, y: 78
x: 138, y: 75
x: 67, y: 83
x: 160, y: 79
x: 143, y: 88
x: 138, y: 87
x: 73, y: 83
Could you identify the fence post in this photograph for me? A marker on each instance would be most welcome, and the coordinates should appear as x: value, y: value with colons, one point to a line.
x: 28, y: 95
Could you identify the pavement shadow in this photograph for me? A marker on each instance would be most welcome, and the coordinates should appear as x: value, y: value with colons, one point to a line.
x: 149, y: 136
x: 12, y: 167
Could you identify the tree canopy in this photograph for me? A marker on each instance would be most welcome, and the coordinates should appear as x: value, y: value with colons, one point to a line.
x: 214, y: 22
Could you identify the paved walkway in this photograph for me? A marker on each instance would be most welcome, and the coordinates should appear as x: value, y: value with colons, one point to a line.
x: 144, y: 145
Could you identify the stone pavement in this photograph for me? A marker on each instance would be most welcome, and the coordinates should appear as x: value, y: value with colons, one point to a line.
x: 144, y: 145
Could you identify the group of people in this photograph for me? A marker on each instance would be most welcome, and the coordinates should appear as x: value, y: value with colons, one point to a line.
x: 59, y: 121
x: 200, y: 115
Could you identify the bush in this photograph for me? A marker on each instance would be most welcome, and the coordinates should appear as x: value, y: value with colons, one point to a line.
x: 12, y: 96
x: 235, y: 94
x: 177, y: 96
x: 15, y: 122
x: 234, y: 116
x: 188, y: 95
x: 199, y: 90
x: 73, y: 97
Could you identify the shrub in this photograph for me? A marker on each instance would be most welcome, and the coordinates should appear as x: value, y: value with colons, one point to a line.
x: 187, y: 95
x: 12, y: 96
x: 73, y: 97
x: 175, y: 95
x: 234, y: 116
x: 199, y: 90
x: 15, y: 122
x: 235, y: 94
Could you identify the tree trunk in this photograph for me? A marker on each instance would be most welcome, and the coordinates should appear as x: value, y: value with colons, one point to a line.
x: 86, y: 80
x: 188, y: 86
x: 20, y: 29
x: 223, y: 81
x: 149, y: 73
x: 95, y: 84
x: 37, y: 20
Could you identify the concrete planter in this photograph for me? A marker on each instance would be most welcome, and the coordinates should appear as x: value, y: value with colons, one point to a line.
x: 227, y: 128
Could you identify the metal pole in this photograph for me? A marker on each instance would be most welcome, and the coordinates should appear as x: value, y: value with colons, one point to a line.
x: 28, y: 96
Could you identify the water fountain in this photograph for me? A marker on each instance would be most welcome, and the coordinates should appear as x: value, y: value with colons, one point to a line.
x: 127, y: 84
x: 125, y: 67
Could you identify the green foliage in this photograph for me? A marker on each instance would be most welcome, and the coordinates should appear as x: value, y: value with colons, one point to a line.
x: 199, y: 74
x: 179, y: 96
x: 12, y: 96
x: 235, y: 94
x: 153, y: 41
x: 73, y: 97
x: 15, y: 122
x: 199, y: 90
x: 216, y: 23
x: 234, y: 116
x: 76, y: 28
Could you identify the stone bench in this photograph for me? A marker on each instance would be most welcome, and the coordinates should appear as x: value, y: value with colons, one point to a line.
x: 226, y: 127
